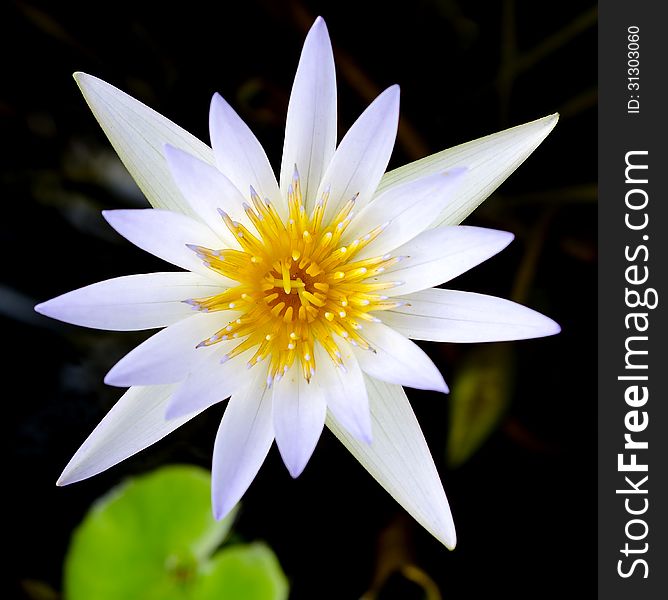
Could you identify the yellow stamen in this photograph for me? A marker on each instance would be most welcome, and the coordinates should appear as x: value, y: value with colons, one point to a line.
x: 298, y: 284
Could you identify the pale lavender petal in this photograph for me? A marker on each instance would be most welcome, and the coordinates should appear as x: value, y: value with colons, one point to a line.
x: 167, y: 235
x: 396, y: 359
x: 169, y: 355
x: 405, y: 211
x: 132, y: 302
x: 299, y: 410
x: 310, y: 132
x: 439, y: 255
x: 453, y: 316
x: 210, y: 381
x: 242, y: 443
x: 360, y: 160
x: 207, y: 191
x: 239, y: 155
x: 345, y: 390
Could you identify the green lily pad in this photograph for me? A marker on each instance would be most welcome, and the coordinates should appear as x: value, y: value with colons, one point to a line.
x: 248, y: 571
x: 479, y: 398
x: 152, y: 538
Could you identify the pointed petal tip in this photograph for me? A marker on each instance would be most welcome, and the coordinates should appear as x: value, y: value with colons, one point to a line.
x: 114, y: 216
x: 113, y: 379
x: 217, y: 105
x: 42, y: 308
x: 550, y: 327
x: 319, y: 29
x: 67, y: 477
x: 50, y: 308
x: 319, y: 25
x: 295, y: 464
x: 505, y: 237
x: 389, y: 96
x: 217, y: 101
x: 295, y: 471
x: 449, y: 540
x: 438, y: 384
x: 87, y: 83
x: 392, y: 97
x: 537, y: 324
x: 548, y: 123
x: 85, y: 79
x: 393, y: 92
x: 221, y: 509
x: 444, y: 531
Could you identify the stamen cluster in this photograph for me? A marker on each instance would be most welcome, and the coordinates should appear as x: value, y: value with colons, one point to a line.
x: 298, y: 284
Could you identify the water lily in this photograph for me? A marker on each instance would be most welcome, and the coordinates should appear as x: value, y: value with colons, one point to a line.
x: 299, y: 296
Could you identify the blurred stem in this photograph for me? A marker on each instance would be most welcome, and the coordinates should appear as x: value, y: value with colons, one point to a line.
x: 418, y: 576
x: 513, y: 62
x: 534, y: 246
x: 555, y: 41
x: 395, y: 555
x: 579, y: 103
x: 506, y: 75
x: 575, y: 194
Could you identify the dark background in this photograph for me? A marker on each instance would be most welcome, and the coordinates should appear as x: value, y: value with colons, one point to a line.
x: 524, y: 503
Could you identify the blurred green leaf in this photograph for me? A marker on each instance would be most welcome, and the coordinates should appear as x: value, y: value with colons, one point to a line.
x: 249, y: 571
x: 152, y: 539
x: 479, y: 398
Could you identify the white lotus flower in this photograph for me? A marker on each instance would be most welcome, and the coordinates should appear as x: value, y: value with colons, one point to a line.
x: 298, y: 299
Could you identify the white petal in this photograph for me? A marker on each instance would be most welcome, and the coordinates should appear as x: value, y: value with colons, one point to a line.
x: 299, y: 410
x: 490, y: 160
x: 206, y: 189
x: 310, y: 131
x: 439, y: 255
x: 239, y: 155
x: 360, y: 160
x: 139, y: 134
x: 165, y: 234
x: 211, y: 380
x: 169, y: 355
x: 132, y: 302
x: 242, y: 443
x: 135, y: 422
x: 453, y: 316
x: 400, y: 461
x: 396, y: 359
x: 345, y: 391
x: 407, y: 210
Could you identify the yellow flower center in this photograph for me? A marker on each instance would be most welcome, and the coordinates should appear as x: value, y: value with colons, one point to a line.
x: 297, y: 284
